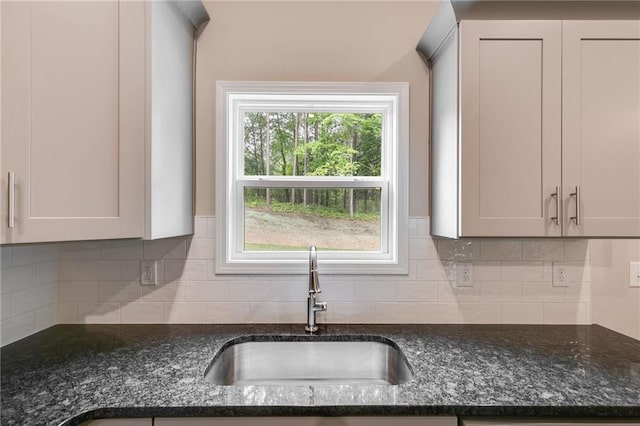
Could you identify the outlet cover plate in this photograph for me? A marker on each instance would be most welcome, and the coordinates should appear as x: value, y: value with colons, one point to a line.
x: 634, y: 274
x: 560, y: 278
x: 464, y: 274
x: 148, y: 272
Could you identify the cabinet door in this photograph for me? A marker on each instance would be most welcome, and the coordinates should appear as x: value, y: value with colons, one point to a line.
x: 72, y: 119
x: 601, y: 127
x: 510, y: 127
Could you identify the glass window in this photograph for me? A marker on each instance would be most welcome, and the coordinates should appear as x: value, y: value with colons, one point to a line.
x: 302, y: 164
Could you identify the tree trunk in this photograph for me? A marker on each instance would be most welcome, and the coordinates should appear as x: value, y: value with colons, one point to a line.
x: 295, y: 157
x: 268, y: 158
x: 306, y: 156
x: 352, y: 200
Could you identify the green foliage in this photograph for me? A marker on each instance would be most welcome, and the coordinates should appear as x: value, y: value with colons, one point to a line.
x: 310, y: 209
x: 333, y: 144
x: 315, y: 144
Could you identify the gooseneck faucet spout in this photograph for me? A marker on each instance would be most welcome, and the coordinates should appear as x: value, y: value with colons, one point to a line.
x: 313, y: 306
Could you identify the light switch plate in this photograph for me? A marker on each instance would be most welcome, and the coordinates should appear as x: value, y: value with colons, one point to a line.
x: 634, y: 274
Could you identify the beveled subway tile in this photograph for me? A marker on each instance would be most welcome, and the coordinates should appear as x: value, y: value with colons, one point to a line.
x: 566, y: 313
x: 340, y: 291
x: 173, y: 291
x: 201, y: 248
x: 438, y: 313
x: 99, y: 313
x: 481, y: 313
x: 542, y: 292
x: 417, y: 291
x: 284, y: 291
x: 500, y: 291
x: 422, y: 248
x: 522, y: 271
x: 551, y: 250
x: 577, y: 251
x: 377, y: 291
x: 185, y: 269
x: 431, y: 270
x: 227, y: 312
x: 167, y: 248
x: 500, y: 250
x: 184, y: 313
x: 119, y: 291
x: 395, y: 312
x: 99, y: 270
x: 6, y: 256
x: 448, y: 293
x: 486, y: 271
x: 249, y: 291
x: 17, y: 327
x: 67, y: 313
x: 18, y: 277
x: 142, y: 313
x: 522, y: 313
x: 79, y: 250
x: 79, y: 291
x: 206, y: 291
x: 351, y: 312
x: 121, y: 249
x: 47, y: 316
x: 458, y: 249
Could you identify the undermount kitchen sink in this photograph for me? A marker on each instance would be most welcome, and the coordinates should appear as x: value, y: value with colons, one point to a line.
x: 246, y: 361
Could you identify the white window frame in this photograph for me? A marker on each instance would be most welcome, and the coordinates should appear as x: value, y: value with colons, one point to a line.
x: 235, y: 98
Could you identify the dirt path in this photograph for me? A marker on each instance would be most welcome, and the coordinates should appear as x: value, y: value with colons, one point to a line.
x: 274, y: 231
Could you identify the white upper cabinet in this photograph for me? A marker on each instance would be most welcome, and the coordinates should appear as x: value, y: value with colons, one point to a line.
x: 510, y: 126
x: 97, y: 107
x: 72, y: 121
x: 601, y: 127
x: 535, y: 125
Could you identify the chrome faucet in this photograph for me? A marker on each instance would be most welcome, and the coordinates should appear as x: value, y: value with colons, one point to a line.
x: 314, y: 288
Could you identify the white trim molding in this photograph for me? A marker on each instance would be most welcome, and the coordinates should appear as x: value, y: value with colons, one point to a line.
x: 234, y: 99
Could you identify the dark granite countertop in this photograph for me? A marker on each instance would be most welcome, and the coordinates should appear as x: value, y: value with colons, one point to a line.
x: 71, y: 373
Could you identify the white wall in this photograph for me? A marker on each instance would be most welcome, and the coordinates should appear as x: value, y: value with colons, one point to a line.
x: 365, y: 41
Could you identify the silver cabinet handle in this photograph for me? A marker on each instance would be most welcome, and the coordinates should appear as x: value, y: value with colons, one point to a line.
x: 556, y: 194
x: 576, y: 194
x: 12, y: 200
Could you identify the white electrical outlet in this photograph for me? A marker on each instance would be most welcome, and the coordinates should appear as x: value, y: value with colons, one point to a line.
x: 560, y: 278
x: 634, y: 274
x: 148, y: 272
x: 464, y: 274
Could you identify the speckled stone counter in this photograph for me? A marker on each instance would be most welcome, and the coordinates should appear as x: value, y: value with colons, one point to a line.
x: 71, y: 373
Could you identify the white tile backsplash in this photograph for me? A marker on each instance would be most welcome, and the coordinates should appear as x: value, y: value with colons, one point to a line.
x: 142, y: 313
x: 29, y: 289
x: 93, y: 282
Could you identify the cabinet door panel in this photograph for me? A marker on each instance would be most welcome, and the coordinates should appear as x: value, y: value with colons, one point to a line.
x: 511, y: 131
x: 601, y: 127
x: 72, y: 113
x: 73, y: 94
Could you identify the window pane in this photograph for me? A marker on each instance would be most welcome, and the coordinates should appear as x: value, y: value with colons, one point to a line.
x: 312, y: 144
x: 338, y: 219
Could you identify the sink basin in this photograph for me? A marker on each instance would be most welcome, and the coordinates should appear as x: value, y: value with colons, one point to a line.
x: 270, y: 362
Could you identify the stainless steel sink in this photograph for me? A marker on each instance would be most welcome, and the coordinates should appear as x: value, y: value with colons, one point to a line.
x: 244, y: 362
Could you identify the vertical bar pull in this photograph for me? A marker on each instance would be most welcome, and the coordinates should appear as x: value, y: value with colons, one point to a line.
x: 576, y: 194
x: 12, y: 200
x: 556, y: 194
